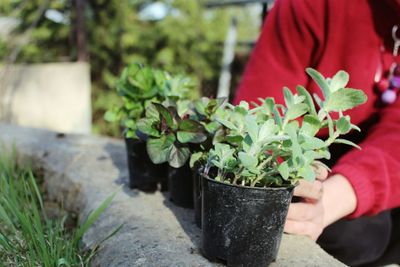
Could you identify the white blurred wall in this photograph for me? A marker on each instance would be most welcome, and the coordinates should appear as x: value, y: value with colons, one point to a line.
x: 53, y: 96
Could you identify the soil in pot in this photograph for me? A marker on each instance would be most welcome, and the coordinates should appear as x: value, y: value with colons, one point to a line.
x: 180, y: 185
x: 144, y: 174
x: 242, y: 226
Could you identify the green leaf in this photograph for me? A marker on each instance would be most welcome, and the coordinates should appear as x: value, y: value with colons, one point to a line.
x: 320, y: 80
x: 146, y: 126
x: 178, y: 156
x: 288, y: 95
x: 227, y: 124
x: 195, y: 157
x: 347, y: 142
x: 343, y: 125
x: 296, y: 111
x: 159, y: 148
x: 267, y: 129
x: 307, y: 173
x: 309, y: 101
x: 311, y: 143
x: 277, y: 116
x: 247, y: 160
x: 310, y: 125
x: 284, y: 170
x: 191, y: 126
x: 344, y: 99
x: 212, y: 127
x: 339, y: 81
x: 191, y: 137
x: 165, y: 114
x: 251, y: 127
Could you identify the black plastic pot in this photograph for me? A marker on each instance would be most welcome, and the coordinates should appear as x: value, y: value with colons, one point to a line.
x: 242, y: 226
x: 180, y: 185
x: 197, y: 196
x: 144, y: 174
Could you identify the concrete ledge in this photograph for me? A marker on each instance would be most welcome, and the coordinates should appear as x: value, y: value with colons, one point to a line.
x: 81, y: 171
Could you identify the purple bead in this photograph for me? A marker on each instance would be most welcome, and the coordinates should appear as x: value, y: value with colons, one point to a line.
x: 389, y: 96
x: 395, y: 82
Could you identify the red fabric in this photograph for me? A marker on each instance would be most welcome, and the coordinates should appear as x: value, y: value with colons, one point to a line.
x: 330, y: 35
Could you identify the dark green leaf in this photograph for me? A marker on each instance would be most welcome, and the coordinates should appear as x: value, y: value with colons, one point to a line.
x: 178, y: 156
x: 159, y: 148
x: 191, y: 137
x: 165, y: 114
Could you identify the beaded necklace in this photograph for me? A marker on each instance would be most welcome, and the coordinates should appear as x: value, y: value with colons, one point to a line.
x: 389, y: 83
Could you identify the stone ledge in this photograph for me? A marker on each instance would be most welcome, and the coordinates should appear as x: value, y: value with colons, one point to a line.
x: 81, y: 171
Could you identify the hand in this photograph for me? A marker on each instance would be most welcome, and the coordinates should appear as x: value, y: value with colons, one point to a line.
x: 320, y: 206
x: 307, y: 217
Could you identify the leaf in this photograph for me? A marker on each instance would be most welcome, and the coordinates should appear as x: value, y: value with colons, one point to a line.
x: 288, y: 95
x: 191, y: 137
x: 344, y: 99
x: 212, y: 127
x: 339, y: 81
x: 320, y: 80
x: 152, y: 112
x: 146, y: 126
x: 284, y: 170
x: 251, y: 127
x: 247, y: 160
x: 267, y: 129
x: 165, y: 114
x: 347, y: 142
x: 195, y: 157
x: 277, y: 116
x: 343, y: 125
x: 307, y: 173
x: 311, y: 143
x: 178, y: 156
x: 296, y: 111
x: 330, y: 125
x: 227, y: 124
x: 159, y: 148
x: 310, y: 125
x: 309, y: 101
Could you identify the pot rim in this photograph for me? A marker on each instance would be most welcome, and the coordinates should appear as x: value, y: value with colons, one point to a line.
x: 291, y: 187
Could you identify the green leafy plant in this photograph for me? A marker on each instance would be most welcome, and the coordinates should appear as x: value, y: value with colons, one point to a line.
x: 138, y: 87
x: 28, y: 237
x: 276, y: 145
x: 175, y: 133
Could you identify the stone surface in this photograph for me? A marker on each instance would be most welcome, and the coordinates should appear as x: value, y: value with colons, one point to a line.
x: 81, y: 171
x: 54, y: 96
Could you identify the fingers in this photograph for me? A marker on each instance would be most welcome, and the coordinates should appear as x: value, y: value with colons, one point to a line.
x: 309, y: 190
x: 320, y: 171
x: 309, y: 229
x: 306, y: 212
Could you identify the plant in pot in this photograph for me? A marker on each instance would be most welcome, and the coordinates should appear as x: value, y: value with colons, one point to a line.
x: 139, y: 86
x: 250, y: 174
x: 175, y: 133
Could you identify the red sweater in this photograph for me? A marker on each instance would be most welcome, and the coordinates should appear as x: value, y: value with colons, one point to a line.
x: 330, y: 35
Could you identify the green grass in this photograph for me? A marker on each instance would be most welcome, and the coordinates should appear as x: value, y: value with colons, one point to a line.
x: 27, y: 236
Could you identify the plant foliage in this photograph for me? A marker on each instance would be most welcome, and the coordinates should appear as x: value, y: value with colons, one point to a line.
x: 138, y: 87
x: 276, y: 145
x: 175, y: 133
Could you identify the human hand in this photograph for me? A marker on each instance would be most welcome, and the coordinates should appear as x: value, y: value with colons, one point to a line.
x: 307, y: 217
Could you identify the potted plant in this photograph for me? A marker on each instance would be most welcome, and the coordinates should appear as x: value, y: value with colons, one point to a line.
x: 175, y: 133
x: 250, y: 174
x: 139, y: 86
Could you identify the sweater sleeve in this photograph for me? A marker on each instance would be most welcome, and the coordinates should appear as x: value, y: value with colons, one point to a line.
x: 374, y: 171
x: 291, y: 36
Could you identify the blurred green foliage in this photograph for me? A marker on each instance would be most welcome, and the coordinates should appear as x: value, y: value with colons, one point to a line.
x: 189, y: 40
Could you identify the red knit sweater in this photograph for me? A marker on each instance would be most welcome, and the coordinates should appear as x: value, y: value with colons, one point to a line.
x: 330, y: 35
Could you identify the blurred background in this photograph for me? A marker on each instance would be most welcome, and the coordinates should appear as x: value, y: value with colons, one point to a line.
x: 59, y: 59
